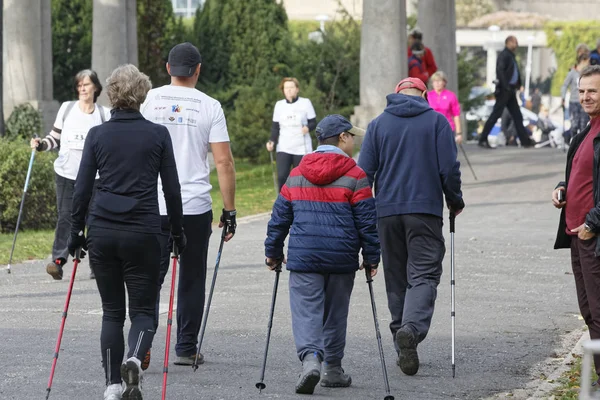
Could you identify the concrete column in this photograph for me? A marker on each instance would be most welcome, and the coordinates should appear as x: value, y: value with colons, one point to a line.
x: 490, y: 67
x: 27, y: 57
x: 437, y: 21
x: 114, y: 37
x: 383, y: 60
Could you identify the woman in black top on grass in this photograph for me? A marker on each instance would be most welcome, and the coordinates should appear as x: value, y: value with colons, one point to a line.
x: 123, y: 222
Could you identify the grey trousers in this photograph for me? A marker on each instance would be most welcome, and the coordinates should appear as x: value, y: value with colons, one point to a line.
x: 319, y: 305
x: 64, y: 203
x: 412, y: 248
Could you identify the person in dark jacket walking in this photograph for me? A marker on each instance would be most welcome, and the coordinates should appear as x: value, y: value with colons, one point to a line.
x: 329, y: 201
x: 129, y: 153
x: 409, y: 154
x: 508, y: 82
x: 579, y: 223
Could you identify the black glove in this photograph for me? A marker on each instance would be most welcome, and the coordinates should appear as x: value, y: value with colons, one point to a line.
x: 180, y: 242
x: 77, y: 241
x: 228, y: 220
x: 369, y: 266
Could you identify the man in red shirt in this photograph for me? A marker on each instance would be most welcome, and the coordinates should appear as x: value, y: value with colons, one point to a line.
x: 428, y: 59
x: 579, y: 224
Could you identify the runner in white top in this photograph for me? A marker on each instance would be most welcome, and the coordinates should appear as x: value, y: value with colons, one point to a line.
x: 73, y: 121
x: 195, y: 122
x: 293, y: 119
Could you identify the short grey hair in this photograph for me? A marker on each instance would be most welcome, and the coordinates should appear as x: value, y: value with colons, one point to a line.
x: 589, y: 71
x: 127, y: 87
x: 441, y: 75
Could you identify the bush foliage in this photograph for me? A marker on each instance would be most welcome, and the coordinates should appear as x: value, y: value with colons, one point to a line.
x: 563, y: 38
x: 24, y: 122
x: 39, y: 211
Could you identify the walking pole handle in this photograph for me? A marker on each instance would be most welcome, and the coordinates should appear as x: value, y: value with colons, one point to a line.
x: 452, y: 221
x: 368, y: 274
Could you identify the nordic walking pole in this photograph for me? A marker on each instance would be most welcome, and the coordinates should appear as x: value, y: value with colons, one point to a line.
x: 174, y: 256
x: 452, y: 313
x: 210, y: 295
x: 64, y: 319
x: 21, y: 207
x: 275, y: 184
x: 260, y: 385
x: 378, y: 334
x: 467, y: 159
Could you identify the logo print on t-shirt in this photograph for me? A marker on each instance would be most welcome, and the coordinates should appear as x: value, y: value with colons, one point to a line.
x: 171, y: 119
x: 175, y: 109
x: 180, y: 120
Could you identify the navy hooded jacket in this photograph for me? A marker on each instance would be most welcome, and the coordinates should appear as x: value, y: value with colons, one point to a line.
x: 329, y: 206
x: 409, y: 153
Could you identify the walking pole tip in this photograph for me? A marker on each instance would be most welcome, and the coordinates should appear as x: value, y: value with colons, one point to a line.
x: 453, y: 371
x: 8, y: 269
x: 47, y: 393
x: 260, y: 386
x: 388, y: 397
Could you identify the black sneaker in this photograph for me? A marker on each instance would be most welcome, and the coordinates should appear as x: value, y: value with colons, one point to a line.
x: 408, y: 358
x: 189, y: 360
x: 55, y: 268
x: 311, y: 374
x: 486, y: 145
x: 131, y: 374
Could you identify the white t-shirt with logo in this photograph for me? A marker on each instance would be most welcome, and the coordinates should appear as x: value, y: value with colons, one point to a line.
x: 194, y: 120
x: 291, y: 118
x: 72, y: 136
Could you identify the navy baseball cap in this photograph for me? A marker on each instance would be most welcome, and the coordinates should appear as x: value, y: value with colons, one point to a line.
x: 183, y: 59
x: 335, y: 124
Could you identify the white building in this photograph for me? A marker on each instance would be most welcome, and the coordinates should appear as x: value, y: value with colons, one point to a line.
x: 186, y: 8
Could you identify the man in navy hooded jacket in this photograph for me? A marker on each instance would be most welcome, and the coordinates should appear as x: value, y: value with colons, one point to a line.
x: 409, y: 154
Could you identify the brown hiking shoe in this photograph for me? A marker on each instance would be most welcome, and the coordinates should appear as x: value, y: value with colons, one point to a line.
x: 146, y: 361
x: 55, y: 269
x: 189, y: 360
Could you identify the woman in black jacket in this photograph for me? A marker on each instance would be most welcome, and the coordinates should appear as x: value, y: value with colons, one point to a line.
x: 129, y: 153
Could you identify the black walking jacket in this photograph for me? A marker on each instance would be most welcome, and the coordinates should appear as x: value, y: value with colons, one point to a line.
x: 129, y: 153
x: 505, y: 66
x: 563, y: 240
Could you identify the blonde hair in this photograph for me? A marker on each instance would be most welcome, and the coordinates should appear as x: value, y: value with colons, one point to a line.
x: 127, y: 87
x: 288, y: 79
x: 440, y: 75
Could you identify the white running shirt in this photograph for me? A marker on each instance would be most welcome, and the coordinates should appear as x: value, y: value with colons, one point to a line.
x: 194, y: 120
x: 291, y: 117
x: 72, y: 136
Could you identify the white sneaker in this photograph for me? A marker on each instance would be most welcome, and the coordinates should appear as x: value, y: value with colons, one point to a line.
x: 131, y: 373
x: 113, y: 392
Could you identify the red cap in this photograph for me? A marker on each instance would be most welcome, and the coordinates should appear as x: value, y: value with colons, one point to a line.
x: 408, y: 83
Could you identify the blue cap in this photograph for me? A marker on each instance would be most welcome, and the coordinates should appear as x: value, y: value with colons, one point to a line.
x: 335, y: 124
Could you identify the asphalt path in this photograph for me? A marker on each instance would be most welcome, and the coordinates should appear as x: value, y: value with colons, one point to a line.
x: 515, y: 305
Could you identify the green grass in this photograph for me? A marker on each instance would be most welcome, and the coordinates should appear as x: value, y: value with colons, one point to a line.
x: 31, y: 245
x: 254, y: 192
x: 570, y: 381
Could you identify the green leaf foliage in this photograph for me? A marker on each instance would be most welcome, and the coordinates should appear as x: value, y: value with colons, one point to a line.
x: 71, y: 44
x: 158, y: 31
x: 563, y: 38
x: 39, y: 210
x: 24, y: 122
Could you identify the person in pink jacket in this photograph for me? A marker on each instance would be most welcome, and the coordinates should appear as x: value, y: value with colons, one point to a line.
x: 445, y: 102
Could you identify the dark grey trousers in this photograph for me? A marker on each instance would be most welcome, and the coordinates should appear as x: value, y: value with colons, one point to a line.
x: 319, y: 305
x: 64, y: 204
x: 412, y: 248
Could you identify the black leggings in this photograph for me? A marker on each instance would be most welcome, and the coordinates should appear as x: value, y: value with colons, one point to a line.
x: 285, y: 162
x: 124, y: 258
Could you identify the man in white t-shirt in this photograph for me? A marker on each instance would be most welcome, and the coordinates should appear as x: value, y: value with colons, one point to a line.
x: 195, y: 122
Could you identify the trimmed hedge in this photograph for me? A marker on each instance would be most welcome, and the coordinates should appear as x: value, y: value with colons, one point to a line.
x: 39, y: 211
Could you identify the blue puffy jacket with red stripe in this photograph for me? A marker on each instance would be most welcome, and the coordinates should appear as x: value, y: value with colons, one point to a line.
x: 328, y: 204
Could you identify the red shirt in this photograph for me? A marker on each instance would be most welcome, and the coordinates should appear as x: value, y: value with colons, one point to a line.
x: 428, y: 61
x: 580, y: 191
